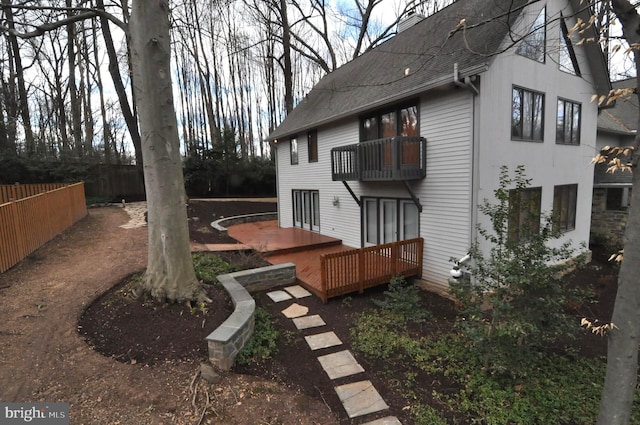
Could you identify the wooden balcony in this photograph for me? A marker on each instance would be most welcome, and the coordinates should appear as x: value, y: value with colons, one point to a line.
x: 390, y: 159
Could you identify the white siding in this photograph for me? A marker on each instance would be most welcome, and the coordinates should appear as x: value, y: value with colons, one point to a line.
x: 447, y: 124
x: 547, y: 164
x: 340, y: 221
x: 445, y: 194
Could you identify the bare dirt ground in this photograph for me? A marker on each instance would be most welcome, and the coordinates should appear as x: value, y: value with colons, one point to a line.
x: 44, y: 356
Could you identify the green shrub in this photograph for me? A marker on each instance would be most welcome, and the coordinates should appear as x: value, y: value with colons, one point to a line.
x: 520, y: 282
x: 263, y: 343
x: 208, y: 266
x: 403, y: 299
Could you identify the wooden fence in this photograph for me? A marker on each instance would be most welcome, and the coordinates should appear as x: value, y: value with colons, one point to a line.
x: 358, y: 269
x: 29, y: 222
x: 14, y: 192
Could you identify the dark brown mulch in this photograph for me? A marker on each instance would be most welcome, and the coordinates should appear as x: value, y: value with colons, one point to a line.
x: 294, y: 364
x: 146, y: 331
x: 203, y: 212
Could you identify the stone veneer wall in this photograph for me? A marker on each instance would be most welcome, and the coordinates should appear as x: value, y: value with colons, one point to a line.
x: 229, y: 338
x: 607, y: 226
x: 222, y: 224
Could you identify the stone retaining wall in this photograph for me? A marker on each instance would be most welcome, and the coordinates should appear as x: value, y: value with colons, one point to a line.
x: 222, y: 224
x: 229, y: 338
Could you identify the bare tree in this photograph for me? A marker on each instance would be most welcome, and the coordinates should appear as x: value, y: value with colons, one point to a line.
x: 170, y: 274
x: 622, y: 355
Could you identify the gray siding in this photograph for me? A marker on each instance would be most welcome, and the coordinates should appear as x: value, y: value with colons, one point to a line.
x: 445, y: 194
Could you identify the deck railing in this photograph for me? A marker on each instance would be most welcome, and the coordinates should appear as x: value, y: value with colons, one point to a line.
x: 392, y: 158
x: 30, y: 222
x: 358, y: 269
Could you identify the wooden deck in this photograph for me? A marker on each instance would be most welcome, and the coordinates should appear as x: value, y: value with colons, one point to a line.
x: 324, y: 265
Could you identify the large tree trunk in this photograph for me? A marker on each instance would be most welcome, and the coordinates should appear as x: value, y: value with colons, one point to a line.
x: 622, y: 356
x: 170, y: 273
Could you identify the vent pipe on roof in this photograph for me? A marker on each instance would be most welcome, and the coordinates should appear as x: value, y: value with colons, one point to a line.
x: 412, y: 18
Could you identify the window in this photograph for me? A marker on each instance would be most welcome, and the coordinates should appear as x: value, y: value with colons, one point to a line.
x: 524, y: 213
x: 399, y: 121
x: 293, y: 146
x: 567, y: 60
x: 389, y: 220
x: 564, y: 207
x: 312, y: 145
x: 527, y: 115
x: 306, y: 209
x: 568, y: 123
x: 534, y: 42
x: 618, y: 198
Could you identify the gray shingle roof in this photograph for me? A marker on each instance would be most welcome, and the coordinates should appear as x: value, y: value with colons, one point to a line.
x: 428, y: 50
x: 623, y: 117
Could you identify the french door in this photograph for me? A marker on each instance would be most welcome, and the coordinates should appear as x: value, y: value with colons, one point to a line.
x: 306, y: 209
x: 389, y: 220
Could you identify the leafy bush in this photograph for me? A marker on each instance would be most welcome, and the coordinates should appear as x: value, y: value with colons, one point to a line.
x: 558, y: 388
x: 208, y: 266
x: 263, y: 343
x: 520, y: 283
x: 403, y: 299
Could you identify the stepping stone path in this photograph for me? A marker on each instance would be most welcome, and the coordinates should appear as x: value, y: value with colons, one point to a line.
x: 359, y: 397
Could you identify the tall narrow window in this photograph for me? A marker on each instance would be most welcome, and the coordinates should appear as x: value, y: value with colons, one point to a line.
x: 312, y: 145
x: 527, y: 115
x: 567, y: 60
x: 370, y: 221
x: 524, y: 213
x: 568, y: 123
x: 293, y: 145
x: 564, y: 207
x: 533, y: 44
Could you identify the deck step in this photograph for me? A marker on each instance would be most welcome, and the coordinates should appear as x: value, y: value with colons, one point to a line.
x: 300, y: 248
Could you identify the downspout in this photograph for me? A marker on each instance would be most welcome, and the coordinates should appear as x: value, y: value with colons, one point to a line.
x: 466, y: 84
x: 475, y: 160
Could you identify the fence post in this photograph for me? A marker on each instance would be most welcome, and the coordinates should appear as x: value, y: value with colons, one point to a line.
x: 323, y: 278
x: 361, y: 270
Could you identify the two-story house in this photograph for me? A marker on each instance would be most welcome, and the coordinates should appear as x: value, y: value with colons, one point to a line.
x: 409, y: 138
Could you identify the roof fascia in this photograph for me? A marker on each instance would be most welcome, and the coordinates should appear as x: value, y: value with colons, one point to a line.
x: 422, y: 88
x: 595, y: 56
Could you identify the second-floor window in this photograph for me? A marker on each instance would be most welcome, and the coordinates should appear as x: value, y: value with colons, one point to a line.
x: 533, y: 44
x: 293, y: 145
x: 568, y: 123
x: 527, y: 115
x: 312, y: 145
x: 398, y: 121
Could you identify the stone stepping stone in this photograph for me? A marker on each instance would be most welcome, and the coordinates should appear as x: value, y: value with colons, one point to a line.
x: 295, y: 310
x: 389, y: 420
x: 278, y: 296
x: 323, y: 340
x: 307, y: 322
x: 298, y: 291
x: 340, y: 364
x: 360, y: 398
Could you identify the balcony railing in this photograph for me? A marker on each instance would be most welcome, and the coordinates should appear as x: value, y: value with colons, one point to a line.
x: 393, y: 158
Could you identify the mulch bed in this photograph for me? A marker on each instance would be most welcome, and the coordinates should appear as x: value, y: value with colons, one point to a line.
x: 148, y: 332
